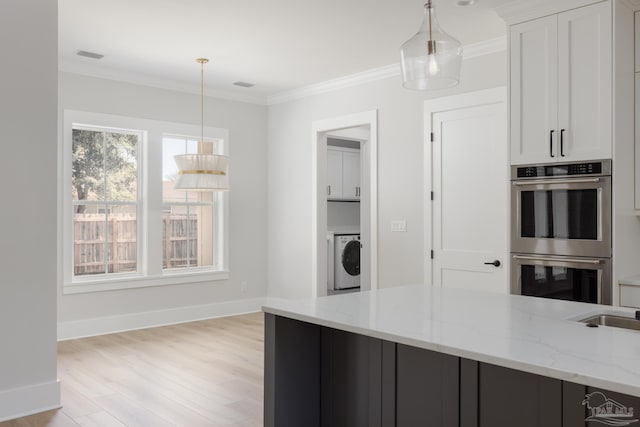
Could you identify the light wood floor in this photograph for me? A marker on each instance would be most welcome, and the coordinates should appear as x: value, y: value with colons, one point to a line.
x: 206, y: 373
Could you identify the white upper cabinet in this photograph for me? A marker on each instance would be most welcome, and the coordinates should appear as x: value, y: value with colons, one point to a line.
x: 334, y: 174
x: 534, y: 90
x: 351, y: 174
x: 584, y: 83
x: 343, y: 174
x: 561, y: 87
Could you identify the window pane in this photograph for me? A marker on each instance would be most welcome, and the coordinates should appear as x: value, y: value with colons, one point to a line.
x: 105, y: 239
x: 87, y: 179
x: 172, y: 146
x: 121, y: 152
x: 187, y: 236
x: 122, y: 239
x: 104, y: 159
x: 89, y: 238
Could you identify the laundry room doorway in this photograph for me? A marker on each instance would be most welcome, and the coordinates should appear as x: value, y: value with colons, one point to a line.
x: 344, y: 188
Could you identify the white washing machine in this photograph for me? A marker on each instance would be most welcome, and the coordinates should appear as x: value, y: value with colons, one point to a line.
x: 347, y: 261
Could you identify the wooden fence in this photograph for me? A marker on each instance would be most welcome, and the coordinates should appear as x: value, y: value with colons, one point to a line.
x: 180, y: 241
x: 109, y: 244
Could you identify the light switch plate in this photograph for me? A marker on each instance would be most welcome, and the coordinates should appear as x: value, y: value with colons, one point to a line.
x: 399, y: 226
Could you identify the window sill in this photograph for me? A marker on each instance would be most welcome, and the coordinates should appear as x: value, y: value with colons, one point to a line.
x: 135, y: 281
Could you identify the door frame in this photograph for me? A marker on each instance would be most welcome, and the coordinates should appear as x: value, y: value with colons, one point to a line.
x: 438, y: 105
x: 369, y: 195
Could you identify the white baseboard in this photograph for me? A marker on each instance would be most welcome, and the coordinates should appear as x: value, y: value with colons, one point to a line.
x: 128, y: 322
x: 29, y: 400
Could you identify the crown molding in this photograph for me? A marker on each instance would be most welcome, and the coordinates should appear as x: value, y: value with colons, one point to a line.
x: 516, y: 11
x: 486, y: 47
x: 108, y: 73
x: 368, y: 76
x: 389, y: 71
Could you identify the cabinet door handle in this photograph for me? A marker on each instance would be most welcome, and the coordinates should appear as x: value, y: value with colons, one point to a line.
x: 555, y: 181
x: 357, y: 191
x: 562, y: 142
x: 328, y: 190
x: 551, y: 143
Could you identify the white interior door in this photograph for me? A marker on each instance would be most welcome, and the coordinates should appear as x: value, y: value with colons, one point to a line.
x: 470, y: 183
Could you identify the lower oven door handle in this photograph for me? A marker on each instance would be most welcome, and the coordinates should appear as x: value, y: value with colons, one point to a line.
x: 556, y: 181
x: 551, y: 259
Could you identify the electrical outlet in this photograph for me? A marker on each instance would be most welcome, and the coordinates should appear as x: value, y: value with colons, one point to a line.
x: 243, y: 286
x: 399, y: 226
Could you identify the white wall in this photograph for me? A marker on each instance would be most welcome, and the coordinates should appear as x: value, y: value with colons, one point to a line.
x: 343, y: 214
x: 626, y: 223
x: 400, y: 171
x: 247, y: 124
x: 28, y: 88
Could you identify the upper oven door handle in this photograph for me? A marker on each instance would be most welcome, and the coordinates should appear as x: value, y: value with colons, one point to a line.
x: 553, y: 259
x: 557, y: 181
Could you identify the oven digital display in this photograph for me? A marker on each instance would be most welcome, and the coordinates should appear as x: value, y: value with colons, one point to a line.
x: 592, y: 168
x: 557, y: 170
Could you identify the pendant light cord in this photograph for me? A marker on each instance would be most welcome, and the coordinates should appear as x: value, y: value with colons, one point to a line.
x: 201, y: 102
x: 202, y: 61
x: 430, y: 23
x: 431, y: 44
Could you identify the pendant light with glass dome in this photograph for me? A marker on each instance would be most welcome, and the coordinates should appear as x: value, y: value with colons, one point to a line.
x: 431, y: 59
x: 202, y: 172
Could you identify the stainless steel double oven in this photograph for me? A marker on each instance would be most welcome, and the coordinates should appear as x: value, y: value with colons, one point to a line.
x: 561, y: 231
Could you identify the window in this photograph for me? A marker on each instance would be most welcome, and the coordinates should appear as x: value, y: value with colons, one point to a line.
x: 188, y: 217
x: 123, y: 225
x: 104, y: 189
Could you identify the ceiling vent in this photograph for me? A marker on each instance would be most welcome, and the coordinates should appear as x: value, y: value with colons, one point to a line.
x: 244, y: 84
x: 91, y: 55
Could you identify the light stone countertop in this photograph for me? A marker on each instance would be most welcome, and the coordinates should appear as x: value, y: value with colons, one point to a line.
x: 534, y: 335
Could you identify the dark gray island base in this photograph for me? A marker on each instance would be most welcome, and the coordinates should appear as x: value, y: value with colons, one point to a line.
x: 320, y: 376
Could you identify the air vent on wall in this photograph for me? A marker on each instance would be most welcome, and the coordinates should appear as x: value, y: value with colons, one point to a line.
x: 91, y: 55
x: 244, y: 84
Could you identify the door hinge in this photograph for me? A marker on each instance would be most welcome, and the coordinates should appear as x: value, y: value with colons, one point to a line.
x: 431, y: 253
x: 432, y: 137
x: 432, y: 195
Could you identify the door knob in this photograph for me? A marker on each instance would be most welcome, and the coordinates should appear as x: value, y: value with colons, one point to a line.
x: 495, y: 263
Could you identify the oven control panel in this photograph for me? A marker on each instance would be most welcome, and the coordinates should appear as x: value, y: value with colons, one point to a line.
x: 557, y: 170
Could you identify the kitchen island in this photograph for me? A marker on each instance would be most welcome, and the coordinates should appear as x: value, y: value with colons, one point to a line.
x: 420, y: 355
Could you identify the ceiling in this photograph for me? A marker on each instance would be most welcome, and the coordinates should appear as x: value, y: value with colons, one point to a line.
x: 278, y: 45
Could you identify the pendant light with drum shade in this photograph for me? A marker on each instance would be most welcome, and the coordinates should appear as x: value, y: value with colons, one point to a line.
x: 431, y: 59
x: 202, y: 172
